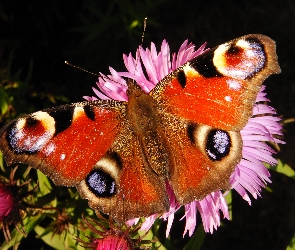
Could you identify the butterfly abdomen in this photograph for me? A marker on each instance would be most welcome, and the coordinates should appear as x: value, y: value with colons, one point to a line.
x: 148, y: 129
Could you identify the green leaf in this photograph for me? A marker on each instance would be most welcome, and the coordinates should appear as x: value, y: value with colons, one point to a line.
x: 3, y: 101
x: 291, y: 245
x: 228, y: 199
x: 196, y: 240
x: 29, y: 224
x: 27, y: 172
x: 47, y: 200
x: 135, y: 24
x: 284, y: 169
x: 151, y: 237
x: 2, y: 162
x: 59, y: 241
x: 44, y: 183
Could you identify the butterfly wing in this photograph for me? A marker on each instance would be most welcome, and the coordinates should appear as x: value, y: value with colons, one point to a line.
x: 139, y: 190
x: 204, y: 104
x: 63, y: 142
x: 89, y: 145
x: 219, y: 87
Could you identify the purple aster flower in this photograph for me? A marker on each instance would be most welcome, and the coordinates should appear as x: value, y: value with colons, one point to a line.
x: 12, y: 204
x: 114, y: 237
x: 250, y: 174
x: 112, y: 242
x: 6, y: 201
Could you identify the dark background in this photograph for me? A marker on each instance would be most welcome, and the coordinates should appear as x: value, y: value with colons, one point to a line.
x: 40, y: 35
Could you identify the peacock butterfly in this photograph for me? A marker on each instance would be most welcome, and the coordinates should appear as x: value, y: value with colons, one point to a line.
x: 185, y: 132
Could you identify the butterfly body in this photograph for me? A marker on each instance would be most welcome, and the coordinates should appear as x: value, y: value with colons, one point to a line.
x: 185, y: 133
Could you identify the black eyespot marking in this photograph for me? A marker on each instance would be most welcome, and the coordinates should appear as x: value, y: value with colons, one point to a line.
x: 218, y: 144
x: 190, y: 132
x: 260, y: 54
x: 11, y: 139
x: 89, y: 112
x: 205, y: 66
x: 114, y: 156
x: 181, y: 77
x: 258, y: 46
x: 254, y: 41
x: 101, y: 183
x: 31, y: 122
x: 21, y: 141
x: 63, y: 118
x: 234, y: 50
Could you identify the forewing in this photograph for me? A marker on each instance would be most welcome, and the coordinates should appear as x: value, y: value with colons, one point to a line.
x: 219, y: 87
x: 63, y: 142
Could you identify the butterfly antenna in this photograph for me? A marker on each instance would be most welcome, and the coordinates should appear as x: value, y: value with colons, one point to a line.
x: 89, y: 72
x: 106, y: 77
x: 77, y: 67
x: 144, y: 28
x: 142, y: 38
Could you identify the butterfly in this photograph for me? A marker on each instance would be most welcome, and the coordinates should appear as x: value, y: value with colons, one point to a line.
x: 184, y: 133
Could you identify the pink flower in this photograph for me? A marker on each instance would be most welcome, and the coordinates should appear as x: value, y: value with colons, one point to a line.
x: 6, y: 202
x: 12, y: 204
x: 157, y: 67
x: 250, y: 174
x: 112, y: 242
x: 116, y: 237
